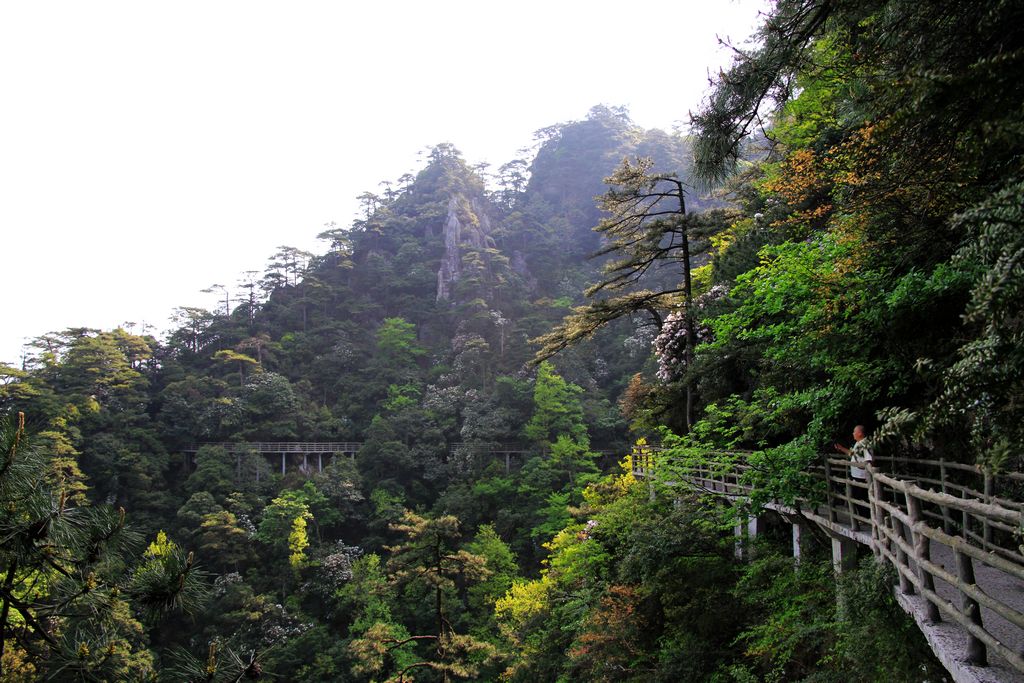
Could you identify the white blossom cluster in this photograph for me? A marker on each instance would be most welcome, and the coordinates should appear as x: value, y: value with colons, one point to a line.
x: 275, y: 624
x: 247, y: 525
x: 639, y: 342
x: 221, y: 583
x: 442, y: 399
x: 670, y: 344
x: 334, y: 569
x: 588, y: 529
x: 670, y: 347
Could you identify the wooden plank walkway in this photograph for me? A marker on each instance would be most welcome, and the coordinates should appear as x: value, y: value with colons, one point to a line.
x: 956, y: 545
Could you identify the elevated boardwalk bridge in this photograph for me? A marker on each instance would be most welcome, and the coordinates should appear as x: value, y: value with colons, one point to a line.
x: 953, y: 533
x: 308, y: 457
x: 295, y: 453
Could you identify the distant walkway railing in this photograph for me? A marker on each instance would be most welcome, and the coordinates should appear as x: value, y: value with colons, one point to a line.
x: 908, y: 511
x: 281, y: 446
x: 509, y: 451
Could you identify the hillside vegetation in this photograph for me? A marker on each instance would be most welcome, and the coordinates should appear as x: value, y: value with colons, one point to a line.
x: 836, y: 241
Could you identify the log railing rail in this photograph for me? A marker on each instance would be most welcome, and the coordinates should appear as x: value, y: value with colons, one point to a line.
x: 910, y: 507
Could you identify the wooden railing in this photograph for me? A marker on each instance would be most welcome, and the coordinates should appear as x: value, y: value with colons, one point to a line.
x: 901, y: 513
x: 485, y: 448
x: 914, y: 509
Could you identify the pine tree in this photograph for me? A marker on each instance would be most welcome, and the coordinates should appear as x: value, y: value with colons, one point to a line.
x: 69, y: 592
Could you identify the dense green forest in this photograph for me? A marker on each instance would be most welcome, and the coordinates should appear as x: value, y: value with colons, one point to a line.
x: 836, y: 239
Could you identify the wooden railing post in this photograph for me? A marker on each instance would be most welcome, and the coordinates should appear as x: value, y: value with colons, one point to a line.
x: 922, y: 554
x: 906, y: 586
x: 649, y: 472
x: 976, y: 653
x: 829, y: 498
x: 874, y: 496
x: 947, y: 519
x: 850, y: 507
x: 965, y: 518
x: 989, y: 490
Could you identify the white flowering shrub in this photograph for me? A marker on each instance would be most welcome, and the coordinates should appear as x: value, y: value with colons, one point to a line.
x: 670, y: 344
x: 639, y: 343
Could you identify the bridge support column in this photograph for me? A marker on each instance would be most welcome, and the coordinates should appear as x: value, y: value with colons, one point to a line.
x: 284, y: 460
x: 844, y: 554
x: 745, y: 533
x: 801, y: 540
x: 319, y: 462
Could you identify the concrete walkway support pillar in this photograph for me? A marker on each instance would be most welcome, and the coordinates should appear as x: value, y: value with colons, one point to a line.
x: 844, y: 554
x: 801, y: 540
x: 284, y: 457
x: 745, y: 533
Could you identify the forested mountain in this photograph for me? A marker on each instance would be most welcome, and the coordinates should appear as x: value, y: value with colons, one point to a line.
x: 837, y: 241
x: 409, y: 334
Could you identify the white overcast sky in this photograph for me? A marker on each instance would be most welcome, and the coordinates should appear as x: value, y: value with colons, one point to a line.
x: 149, y: 150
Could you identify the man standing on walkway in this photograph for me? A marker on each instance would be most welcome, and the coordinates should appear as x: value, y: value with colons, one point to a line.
x: 860, y: 454
x: 857, y: 490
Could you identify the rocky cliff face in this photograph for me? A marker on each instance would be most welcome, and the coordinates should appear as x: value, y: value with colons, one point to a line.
x: 467, y: 228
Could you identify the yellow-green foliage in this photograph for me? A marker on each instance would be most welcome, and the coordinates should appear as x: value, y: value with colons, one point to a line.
x: 523, y: 602
x: 298, y: 541
x: 161, y: 547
